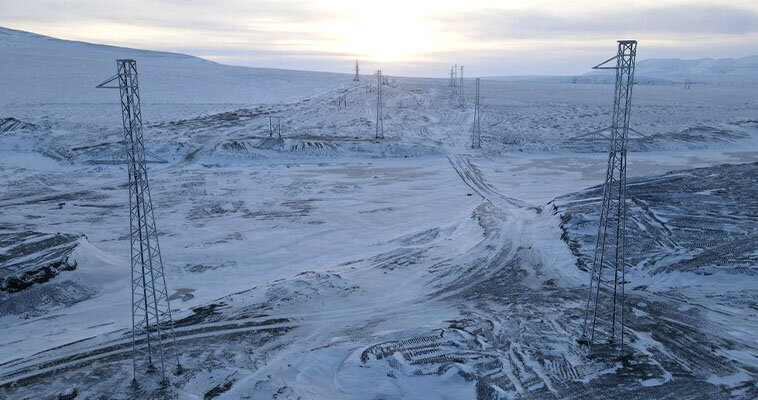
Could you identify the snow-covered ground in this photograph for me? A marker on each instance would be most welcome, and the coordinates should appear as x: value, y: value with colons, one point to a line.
x: 330, y: 265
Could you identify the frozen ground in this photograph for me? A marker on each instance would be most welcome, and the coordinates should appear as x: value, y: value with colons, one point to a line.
x: 328, y: 265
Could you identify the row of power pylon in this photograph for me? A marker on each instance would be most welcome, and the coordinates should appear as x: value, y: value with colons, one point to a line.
x: 153, y: 338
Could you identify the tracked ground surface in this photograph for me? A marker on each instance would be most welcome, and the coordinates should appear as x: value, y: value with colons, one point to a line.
x: 701, y: 221
x: 692, y: 259
x: 328, y: 265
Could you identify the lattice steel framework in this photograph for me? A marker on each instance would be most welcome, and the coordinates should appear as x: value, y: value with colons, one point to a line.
x: 604, y: 316
x: 152, y: 324
x: 379, y: 113
x: 342, y: 98
x: 357, y: 77
x: 476, y: 139
x: 460, y: 87
x: 451, y: 83
x: 275, y: 126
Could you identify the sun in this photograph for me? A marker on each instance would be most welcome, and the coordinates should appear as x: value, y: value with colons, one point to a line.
x: 383, y: 37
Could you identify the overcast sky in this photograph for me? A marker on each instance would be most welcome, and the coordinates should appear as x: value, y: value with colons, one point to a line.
x: 417, y: 38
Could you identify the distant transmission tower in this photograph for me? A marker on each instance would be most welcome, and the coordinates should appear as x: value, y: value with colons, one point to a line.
x: 460, y: 89
x: 604, y: 313
x: 275, y: 126
x: 342, y: 98
x: 152, y: 324
x: 379, y: 115
x: 357, y: 77
x: 451, y: 83
x: 476, y: 140
x: 461, y: 78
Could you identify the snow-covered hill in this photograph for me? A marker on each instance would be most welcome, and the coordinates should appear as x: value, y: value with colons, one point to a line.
x: 743, y: 69
x: 41, y: 69
x: 703, y: 70
x: 730, y: 71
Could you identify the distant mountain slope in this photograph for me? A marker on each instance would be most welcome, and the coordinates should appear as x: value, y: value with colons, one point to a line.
x: 732, y: 70
x: 41, y: 69
x: 669, y: 70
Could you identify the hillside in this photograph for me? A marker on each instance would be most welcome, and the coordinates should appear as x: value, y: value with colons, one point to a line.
x: 668, y: 70
x: 27, y: 61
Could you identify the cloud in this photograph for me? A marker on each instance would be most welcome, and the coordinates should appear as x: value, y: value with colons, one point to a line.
x: 498, y: 24
x: 492, y: 36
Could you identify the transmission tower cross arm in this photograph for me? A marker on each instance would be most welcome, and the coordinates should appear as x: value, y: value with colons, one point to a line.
x: 116, y: 76
x: 602, y: 65
x: 108, y: 81
x: 637, y: 132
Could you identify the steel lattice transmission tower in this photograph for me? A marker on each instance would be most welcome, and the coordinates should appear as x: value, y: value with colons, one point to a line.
x: 461, y: 100
x: 461, y: 81
x: 152, y: 325
x: 357, y: 77
x: 604, y: 313
x: 379, y: 113
x: 451, y: 83
x: 275, y: 126
x: 476, y: 139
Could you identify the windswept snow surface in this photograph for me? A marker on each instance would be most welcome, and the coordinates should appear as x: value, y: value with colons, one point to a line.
x: 328, y: 265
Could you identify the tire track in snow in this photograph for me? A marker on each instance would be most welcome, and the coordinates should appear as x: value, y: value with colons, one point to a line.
x: 472, y: 177
x: 58, y: 360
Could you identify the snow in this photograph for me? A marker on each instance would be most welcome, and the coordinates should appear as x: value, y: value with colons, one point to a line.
x: 661, y: 71
x: 730, y: 380
x: 329, y: 265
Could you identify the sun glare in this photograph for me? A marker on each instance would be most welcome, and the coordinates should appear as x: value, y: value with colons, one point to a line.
x: 394, y: 32
x: 379, y: 40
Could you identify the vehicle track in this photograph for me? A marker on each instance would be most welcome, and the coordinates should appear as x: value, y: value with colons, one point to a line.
x: 120, y: 347
x: 59, y: 359
x: 472, y: 177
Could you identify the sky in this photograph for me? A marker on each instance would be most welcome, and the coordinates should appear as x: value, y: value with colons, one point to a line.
x: 407, y: 37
